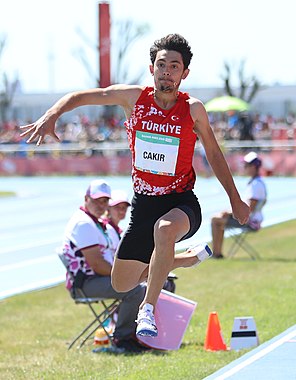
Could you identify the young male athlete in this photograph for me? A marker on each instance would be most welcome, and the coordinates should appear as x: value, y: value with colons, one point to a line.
x: 162, y: 126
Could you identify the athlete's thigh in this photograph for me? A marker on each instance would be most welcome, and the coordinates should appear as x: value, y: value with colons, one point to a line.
x: 126, y: 274
x: 175, y: 223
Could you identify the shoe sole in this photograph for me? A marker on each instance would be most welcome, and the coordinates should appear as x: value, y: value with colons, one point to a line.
x: 150, y: 333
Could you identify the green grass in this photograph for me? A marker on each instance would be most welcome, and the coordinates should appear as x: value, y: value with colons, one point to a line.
x: 36, y: 327
x: 7, y: 194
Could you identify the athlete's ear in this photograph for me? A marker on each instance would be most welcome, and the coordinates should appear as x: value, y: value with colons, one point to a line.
x: 185, y: 73
x: 151, y: 69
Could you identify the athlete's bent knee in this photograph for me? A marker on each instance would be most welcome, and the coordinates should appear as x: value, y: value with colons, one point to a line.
x: 120, y: 286
x: 164, y: 233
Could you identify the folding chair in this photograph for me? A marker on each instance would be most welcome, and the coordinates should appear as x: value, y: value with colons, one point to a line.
x: 109, y: 308
x: 239, y: 236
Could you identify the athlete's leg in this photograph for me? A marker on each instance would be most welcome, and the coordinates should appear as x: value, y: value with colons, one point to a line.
x: 185, y: 259
x: 168, y: 229
x: 126, y: 274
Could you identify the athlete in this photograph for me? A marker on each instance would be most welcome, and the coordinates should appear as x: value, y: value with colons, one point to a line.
x: 162, y: 125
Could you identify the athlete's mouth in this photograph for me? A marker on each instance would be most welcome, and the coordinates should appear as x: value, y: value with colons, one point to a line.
x: 167, y: 84
x: 166, y: 80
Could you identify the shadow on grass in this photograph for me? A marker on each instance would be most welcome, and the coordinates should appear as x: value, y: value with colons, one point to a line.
x: 197, y: 344
x: 117, y: 351
x: 264, y: 259
x: 111, y: 351
x: 279, y: 259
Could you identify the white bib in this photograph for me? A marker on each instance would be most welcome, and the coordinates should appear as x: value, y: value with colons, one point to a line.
x: 155, y: 153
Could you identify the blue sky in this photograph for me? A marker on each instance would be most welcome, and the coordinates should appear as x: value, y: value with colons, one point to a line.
x: 43, y: 39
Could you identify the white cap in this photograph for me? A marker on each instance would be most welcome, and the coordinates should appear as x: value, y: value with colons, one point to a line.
x: 98, y: 189
x: 118, y: 196
x: 252, y: 159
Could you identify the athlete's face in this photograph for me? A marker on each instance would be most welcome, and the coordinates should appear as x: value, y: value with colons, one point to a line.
x: 168, y: 70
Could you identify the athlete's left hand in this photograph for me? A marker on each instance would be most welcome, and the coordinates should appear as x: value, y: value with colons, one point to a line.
x: 241, y: 212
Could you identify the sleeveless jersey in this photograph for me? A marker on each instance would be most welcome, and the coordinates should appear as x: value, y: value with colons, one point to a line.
x: 162, y: 145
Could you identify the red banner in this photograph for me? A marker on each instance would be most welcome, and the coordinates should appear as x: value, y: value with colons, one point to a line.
x: 274, y: 163
x: 104, y: 44
x: 34, y: 165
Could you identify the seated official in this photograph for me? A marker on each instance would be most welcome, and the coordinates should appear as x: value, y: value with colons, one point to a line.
x: 89, y: 245
x: 255, y: 197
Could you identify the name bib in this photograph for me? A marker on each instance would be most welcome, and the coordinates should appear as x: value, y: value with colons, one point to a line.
x: 156, y: 153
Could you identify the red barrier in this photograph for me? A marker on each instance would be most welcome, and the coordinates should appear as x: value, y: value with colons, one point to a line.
x: 65, y: 165
x: 279, y: 134
x: 274, y: 163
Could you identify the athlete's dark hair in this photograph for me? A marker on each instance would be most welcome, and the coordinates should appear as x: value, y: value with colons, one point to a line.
x: 172, y: 42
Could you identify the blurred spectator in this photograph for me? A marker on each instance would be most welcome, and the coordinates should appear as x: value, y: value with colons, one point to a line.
x: 226, y: 126
x: 116, y: 212
x: 246, y: 126
x: 265, y: 132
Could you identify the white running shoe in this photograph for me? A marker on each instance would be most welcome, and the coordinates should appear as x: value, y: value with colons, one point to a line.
x: 202, y: 252
x: 146, y: 322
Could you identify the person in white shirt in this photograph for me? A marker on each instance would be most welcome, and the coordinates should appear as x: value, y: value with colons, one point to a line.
x: 255, y: 197
x: 118, y: 206
x: 89, y: 245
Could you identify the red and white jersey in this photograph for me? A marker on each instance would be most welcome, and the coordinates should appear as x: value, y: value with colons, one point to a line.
x: 162, y: 144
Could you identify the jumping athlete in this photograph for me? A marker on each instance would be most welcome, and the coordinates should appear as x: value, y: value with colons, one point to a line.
x: 162, y: 126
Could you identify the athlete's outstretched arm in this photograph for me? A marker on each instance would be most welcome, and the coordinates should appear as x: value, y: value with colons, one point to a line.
x: 122, y: 95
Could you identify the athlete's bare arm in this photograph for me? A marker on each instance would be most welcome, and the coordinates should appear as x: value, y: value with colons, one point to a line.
x: 216, y: 159
x: 122, y: 95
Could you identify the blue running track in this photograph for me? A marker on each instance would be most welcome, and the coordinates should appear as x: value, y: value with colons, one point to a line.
x: 32, y: 224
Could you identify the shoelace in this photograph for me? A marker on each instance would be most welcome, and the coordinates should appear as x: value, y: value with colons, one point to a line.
x: 144, y: 316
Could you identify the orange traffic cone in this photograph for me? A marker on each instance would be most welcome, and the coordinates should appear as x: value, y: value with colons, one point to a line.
x: 214, y: 339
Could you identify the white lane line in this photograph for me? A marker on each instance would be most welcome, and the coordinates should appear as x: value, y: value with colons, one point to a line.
x: 33, y: 286
x: 257, y: 356
x: 14, y: 248
x: 27, y: 263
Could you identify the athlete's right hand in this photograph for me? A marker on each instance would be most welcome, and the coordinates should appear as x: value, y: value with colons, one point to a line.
x: 38, y: 130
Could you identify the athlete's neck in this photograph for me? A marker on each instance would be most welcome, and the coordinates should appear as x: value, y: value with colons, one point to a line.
x: 165, y: 100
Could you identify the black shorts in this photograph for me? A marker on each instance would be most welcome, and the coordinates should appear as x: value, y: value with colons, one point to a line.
x: 138, y: 240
